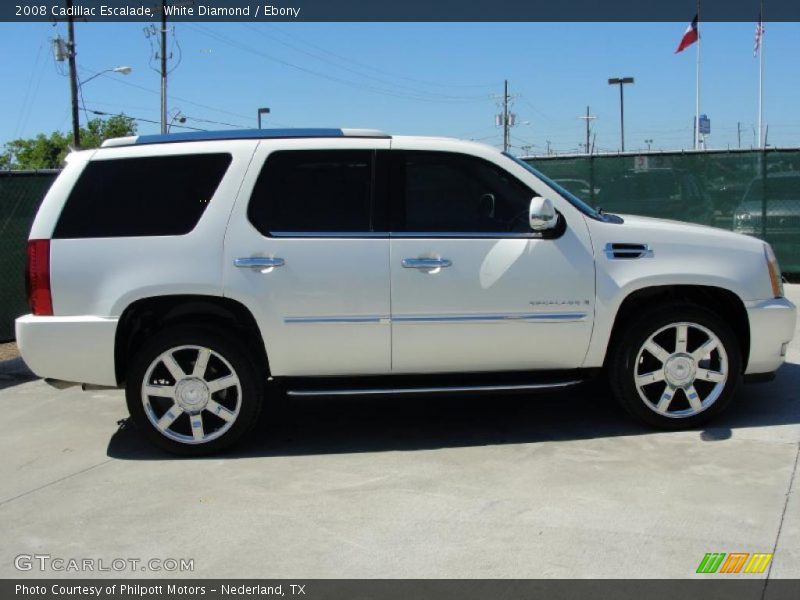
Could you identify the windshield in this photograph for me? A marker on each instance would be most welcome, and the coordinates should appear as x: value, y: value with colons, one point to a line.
x: 569, y: 196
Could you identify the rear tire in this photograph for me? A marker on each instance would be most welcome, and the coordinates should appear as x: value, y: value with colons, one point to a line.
x: 193, y: 392
x: 675, y: 367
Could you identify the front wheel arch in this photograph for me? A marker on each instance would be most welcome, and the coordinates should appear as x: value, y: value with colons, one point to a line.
x: 725, y: 303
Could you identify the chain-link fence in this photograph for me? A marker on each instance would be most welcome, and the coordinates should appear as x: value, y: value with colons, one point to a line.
x: 751, y: 192
x: 21, y: 192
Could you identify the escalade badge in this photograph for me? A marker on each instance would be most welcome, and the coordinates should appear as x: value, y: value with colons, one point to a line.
x: 559, y: 302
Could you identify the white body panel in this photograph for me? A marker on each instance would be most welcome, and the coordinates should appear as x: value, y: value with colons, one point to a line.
x: 346, y: 306
x: 79, y: 349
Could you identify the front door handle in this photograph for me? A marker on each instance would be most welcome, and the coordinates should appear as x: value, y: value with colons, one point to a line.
x: 258, y: 262
x: 426, y: 263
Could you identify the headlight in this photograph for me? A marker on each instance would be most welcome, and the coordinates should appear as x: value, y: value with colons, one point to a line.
x: 742, y: 218
x: 774, y: 271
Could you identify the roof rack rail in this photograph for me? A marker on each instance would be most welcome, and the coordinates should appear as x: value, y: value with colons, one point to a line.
x: 241, y: 134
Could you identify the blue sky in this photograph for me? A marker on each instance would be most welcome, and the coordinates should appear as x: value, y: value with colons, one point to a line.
x: 420, y: 78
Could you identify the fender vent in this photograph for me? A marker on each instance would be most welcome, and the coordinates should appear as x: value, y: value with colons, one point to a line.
x: 628, y: 251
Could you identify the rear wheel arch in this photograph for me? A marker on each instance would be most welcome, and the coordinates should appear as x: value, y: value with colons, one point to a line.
x: 146, y: 317
x: 727, y: 304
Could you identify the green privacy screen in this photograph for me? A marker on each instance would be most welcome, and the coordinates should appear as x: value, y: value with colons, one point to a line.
x: 21, y: 192
x: 751, y: 192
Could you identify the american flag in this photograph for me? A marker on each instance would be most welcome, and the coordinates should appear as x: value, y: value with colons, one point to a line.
x: 759, y: 35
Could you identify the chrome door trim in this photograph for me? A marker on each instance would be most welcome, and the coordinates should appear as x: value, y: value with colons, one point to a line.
x: 407, y: 234
x: 433, y: 389
x: 467, y: 234
x: 338, y: 319
x: 328, y: 234
x: 553, y: 317
x: 525, y: 317
x: 258, y: 262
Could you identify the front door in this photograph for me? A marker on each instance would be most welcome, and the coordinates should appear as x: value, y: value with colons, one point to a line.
x: 473, y: 289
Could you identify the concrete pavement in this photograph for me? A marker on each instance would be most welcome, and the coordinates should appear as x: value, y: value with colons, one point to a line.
x: 553, y: 485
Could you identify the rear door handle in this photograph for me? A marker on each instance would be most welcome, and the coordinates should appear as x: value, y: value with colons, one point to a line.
x: 426, y: 263
x: 258, y: 262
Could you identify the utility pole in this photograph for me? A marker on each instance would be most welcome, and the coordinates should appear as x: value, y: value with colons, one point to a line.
x: 73, y: 78
x: 505, y: 117
x: 163, y: 66
x: 739, y: 133
x: 548, y: 147
x: 588, y: 118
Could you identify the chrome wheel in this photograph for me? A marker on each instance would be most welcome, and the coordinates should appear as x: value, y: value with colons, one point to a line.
x: 681, y: 370
x: 191, y: 394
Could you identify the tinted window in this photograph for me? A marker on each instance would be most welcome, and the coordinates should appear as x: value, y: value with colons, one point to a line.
x: 459, y: 193
x: 163, y: 195
x: 313, y: 192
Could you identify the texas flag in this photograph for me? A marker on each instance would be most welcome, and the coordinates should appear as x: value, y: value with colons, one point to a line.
x: 689, y: 37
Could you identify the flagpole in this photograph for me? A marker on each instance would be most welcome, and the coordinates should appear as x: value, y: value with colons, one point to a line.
x: 761, y: 76
x: 697, y: 86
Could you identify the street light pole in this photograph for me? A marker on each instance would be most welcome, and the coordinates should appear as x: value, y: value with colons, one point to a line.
x: 262, y: 111
x: 621, y: 81
x: 80, y: 84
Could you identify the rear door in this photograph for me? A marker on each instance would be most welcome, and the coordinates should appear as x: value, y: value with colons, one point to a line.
x: 305, y: 251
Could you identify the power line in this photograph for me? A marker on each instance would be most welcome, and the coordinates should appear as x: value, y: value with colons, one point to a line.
x: 382, y: 71
x: 106, y: 114
x: 338, y: 65
x: 353, y: 84
x: 199, y: 120
x: 172, y: 97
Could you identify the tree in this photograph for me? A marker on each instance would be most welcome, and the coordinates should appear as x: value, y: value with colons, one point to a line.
x: 48, y: 152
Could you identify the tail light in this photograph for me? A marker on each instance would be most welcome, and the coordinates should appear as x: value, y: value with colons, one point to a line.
x: 37, y: 277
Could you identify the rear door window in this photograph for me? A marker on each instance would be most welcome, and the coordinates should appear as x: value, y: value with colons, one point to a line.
x: 131, y: 197
x: 314, y: 192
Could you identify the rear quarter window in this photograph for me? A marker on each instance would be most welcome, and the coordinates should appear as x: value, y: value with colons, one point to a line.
x: 134, y: 197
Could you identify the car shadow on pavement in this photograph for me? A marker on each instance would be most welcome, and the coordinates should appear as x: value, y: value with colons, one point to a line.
x: 14, y: 372
x: 349, y: 425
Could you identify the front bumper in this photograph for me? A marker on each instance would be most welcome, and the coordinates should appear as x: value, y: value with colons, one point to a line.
x: 79, y: 349
x: 772, y: 324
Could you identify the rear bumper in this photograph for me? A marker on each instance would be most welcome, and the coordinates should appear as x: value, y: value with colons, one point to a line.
x: 79, y: 349
x: 772, y: 324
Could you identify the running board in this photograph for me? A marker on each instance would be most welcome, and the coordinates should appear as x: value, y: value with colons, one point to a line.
x: 451, y: 389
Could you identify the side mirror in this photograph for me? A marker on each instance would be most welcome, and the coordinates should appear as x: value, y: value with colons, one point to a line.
x: 542, y: 214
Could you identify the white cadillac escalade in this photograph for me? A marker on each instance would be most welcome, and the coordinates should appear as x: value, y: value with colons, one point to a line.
x: 205, y: 272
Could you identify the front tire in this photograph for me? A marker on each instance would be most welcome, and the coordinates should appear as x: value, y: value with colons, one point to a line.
x: 676, y: 367
x: 193, y: 392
